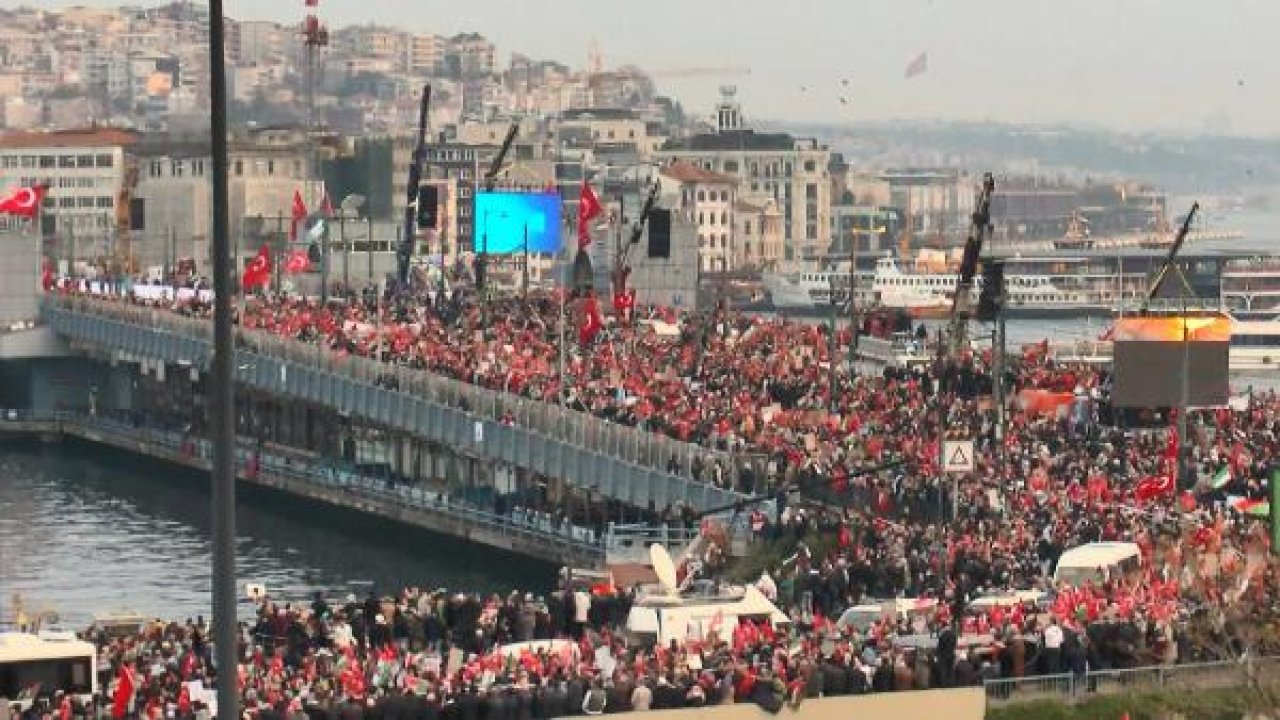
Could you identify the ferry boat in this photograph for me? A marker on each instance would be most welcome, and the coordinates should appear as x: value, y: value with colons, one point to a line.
x: 1096, y: 283
x: 1251, y: 287
x: 1255, y: 344
x: 921, y: 294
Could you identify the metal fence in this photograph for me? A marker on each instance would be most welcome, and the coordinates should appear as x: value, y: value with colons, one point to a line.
x: 645, y: 449
x: 1070, y: 687
x: 521, y: 524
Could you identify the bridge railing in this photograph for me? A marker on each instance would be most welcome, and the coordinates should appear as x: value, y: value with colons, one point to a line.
x: 522, y: 524
x: 646, y: 449
x: 1071, y: 687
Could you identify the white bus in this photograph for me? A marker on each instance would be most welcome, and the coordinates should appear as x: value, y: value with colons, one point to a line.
x: 32, y: 666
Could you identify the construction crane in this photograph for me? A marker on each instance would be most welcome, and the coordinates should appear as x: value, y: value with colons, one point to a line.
x: 596, y: 74
x: 979, y: 231
x: 1157, y: 280
x: 622, y: 258
x: 488, y: 183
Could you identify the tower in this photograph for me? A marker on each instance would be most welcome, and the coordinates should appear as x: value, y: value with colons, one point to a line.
x: 314, y: 36
x: 728, y: 112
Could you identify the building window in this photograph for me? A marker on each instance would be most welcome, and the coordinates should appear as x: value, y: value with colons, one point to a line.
x: 746, y: 228
x: 66, y: 161
x: 271, y: 167
x: 156, y: 169
x: 84, y: 161
x: 66, y: 202
x: 106, y: 202
x: 84, y: 202
x: 48, y: 161
x: 811, y: 231
x: 724, y: 218
x: 175, y: 168
x: 811, y: 191
x: 810, y: 166
x: 197, y: 168
x: 239, y: 167
x: 29, y: 161
x: 64, y: 183
x: 297, y: 168
x: 105, y: 160
x: 701, y: 218
x: 702, y: 196
x: 702, y: 242
x: 10, y: 162
x: 731, y: 166
x: 464, y: 228
x: 746, y: 250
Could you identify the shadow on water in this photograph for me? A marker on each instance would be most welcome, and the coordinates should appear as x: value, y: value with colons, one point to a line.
x: 94, y: 516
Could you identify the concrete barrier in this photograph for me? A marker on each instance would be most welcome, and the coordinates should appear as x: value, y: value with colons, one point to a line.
x: 957, y: 704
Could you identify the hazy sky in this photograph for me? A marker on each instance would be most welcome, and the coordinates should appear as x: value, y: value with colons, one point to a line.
x: 1183, y: 65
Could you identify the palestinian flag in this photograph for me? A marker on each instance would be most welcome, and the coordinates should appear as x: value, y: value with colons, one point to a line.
x: 1222, y: 478
x: 1250, y: 506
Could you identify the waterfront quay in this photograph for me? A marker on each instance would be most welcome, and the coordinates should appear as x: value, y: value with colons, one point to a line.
x: 424, y: 450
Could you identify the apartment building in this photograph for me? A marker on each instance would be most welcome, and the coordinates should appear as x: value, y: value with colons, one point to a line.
x: 174, y: 196
x: 790, y: 171
x: 426, y: 54
x: 757, y: 236
x: 707, y: 199
x: 86, y: 171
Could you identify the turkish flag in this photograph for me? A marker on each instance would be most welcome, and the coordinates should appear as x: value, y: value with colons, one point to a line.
x: 297, y: 262
x: 589, y: 208
x: 623, y: 303
x: 326, y: 207
x: 1152, y: 487
x: 296, y: 215
x: 592, y: 323
x: 23, y: 202
x: 258, y: 274
x: 123, y: 694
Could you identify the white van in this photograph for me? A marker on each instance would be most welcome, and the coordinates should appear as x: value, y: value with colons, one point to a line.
x: 660, y: 619
x: 1096, y: 560
x: 32, y: 665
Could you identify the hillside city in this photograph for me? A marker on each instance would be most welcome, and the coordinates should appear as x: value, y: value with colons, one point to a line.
x: 109, y: 107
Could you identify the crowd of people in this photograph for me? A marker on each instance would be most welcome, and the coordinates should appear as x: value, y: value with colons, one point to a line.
x: 1058, y: 474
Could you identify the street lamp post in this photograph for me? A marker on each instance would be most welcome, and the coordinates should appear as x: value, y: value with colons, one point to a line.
x: 223, y: 398
x: 524, y: 280
x: 350, y: 204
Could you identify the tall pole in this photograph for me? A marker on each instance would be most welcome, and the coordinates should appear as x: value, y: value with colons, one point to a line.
x: 1000, y: 351
x: 368, y: 244
x: 1184, y: 398
x: 524, y: 280
x: 564, y: 349
x: 346, y: 252
x: 223, y: 405
x: 832, y: 363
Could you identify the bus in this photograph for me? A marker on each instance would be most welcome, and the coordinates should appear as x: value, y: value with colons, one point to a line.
x: 37, y: 666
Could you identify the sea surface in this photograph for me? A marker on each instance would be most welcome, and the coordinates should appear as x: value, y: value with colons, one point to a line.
x: 85, y: 531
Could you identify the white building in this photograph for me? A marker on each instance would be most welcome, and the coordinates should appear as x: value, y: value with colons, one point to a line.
x: 792, y: 172
x: 86, y: 171
x: 707, y: 200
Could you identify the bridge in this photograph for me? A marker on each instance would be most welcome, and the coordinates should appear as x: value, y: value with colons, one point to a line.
x: 619, y: 463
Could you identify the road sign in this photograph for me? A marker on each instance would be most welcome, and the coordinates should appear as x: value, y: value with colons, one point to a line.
x: 957, y: 456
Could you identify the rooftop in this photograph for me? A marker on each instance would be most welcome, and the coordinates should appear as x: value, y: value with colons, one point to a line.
x: 733, y: 140
x: 87, y: 137
x: 688, y: 172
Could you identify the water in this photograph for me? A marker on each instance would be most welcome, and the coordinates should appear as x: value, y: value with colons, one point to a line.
x: 84, y: 531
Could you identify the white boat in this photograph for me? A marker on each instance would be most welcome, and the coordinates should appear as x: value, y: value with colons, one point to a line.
x: 1255, y: 344
x: 920, y: 294
x: 1251, y: 287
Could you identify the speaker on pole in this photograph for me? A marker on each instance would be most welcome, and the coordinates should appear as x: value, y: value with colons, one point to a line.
x: 659, y: 233
x: 428, y: 202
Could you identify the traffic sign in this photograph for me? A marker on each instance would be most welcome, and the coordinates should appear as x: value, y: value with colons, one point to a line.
x: 957, y: 456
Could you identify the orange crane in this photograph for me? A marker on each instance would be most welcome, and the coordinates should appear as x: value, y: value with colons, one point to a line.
x: 596, y: 73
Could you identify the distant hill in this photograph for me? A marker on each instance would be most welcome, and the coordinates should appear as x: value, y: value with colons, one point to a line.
x: 1224, y: 165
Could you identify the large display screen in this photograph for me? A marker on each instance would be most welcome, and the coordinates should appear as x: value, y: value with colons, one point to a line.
x: 1151, y: 356
x: 502, y: 218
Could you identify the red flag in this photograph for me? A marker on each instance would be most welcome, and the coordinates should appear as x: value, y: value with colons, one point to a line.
x: 297, y: 262
x: 23, y: 202
x: 258, y: 274
x: 297, y: 214
x: 124, y: 693
x: 589, y: 208
x: 326, y: 207
x: 1152, y: 487
x: 918, y: 66
x: 592, y: 323
x: 47, y: 280
x: 623, y: 303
